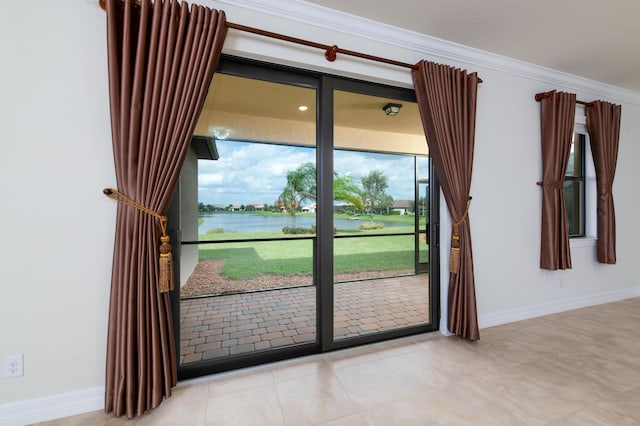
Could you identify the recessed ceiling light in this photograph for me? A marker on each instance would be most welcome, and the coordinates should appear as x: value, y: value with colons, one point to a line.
x: 303, y: 107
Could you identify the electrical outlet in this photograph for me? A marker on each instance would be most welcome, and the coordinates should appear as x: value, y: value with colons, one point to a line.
x: 13, y: 366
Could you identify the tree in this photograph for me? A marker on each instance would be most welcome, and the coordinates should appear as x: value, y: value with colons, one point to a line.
x: 346, y: 189
x: 423, y: 206
x: 386, y: 203
x: 301, y: 185
x: 374, y: 184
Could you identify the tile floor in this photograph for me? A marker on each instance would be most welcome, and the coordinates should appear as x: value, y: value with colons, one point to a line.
x: 219, y: 326
x: 579, y: 367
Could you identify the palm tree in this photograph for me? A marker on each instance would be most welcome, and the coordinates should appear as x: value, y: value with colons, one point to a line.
x: 346, y: 189
x: 301, y: 185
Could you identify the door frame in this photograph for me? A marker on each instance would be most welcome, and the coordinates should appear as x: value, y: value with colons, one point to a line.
x: 325, y: 85
x: 324, y: 161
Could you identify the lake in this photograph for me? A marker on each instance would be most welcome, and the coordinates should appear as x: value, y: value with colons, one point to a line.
x: 247, y: 222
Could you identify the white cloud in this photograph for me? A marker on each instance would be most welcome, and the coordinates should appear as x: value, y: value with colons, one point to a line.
x: 249, y: 173
x: 397, y: 168
x: 209, y: 179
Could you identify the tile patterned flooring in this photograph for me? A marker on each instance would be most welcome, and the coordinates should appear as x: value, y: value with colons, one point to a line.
x: 579, y: 367
x: 219, y: 326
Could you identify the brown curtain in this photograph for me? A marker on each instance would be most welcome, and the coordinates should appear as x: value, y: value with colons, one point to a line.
x: 161, y: 61
x: 603, y: 123
x: 447, y: 103
x: 557, y: 119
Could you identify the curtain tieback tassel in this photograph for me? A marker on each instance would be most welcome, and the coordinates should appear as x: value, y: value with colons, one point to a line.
x: 166, y: 281
x: 166, y: 266
x: 454, y: 257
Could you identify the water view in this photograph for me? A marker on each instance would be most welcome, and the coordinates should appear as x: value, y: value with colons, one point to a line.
x: 247, y: 222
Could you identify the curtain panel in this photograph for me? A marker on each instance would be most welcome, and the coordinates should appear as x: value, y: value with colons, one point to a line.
x: 603, y: 124
x: 557, y: 119
x: 447, y: 102
x: 161, y: 60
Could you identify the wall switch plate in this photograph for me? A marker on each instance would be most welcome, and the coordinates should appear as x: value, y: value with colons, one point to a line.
x: 13, y: 366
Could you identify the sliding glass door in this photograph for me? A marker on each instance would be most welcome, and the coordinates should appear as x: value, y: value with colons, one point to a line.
x: 303, y: 214
x: 380, y: 284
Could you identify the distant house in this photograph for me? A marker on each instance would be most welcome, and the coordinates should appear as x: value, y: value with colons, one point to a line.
x: 256, y: 207
x: 402, y: 206
x: 309, y: 208
x: 236, y: 207
x: 340, y: 206
x: 280, y: 205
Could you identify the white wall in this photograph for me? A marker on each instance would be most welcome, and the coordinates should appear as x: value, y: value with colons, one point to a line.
x: 58, y: 228
x: 505, y: 211
x: 57, y: 238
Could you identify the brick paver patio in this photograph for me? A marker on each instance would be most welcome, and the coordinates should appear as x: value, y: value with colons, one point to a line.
x: 218, y: 326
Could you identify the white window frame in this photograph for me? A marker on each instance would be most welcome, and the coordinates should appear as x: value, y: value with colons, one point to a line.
x: 590, y: 189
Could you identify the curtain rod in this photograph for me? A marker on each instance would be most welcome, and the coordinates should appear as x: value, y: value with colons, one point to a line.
x: 330, y: 51
x: 544, y: 95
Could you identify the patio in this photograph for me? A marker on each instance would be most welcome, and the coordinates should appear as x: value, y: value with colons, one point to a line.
x: 219, y: 326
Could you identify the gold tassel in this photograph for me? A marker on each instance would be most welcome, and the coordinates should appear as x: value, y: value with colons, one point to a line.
x: 166, y: 282
x: 454, y: 259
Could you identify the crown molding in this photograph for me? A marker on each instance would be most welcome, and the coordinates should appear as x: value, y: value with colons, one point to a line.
x: 424, y: 45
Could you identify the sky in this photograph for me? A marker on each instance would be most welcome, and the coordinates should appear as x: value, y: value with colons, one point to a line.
x: 255, y: 173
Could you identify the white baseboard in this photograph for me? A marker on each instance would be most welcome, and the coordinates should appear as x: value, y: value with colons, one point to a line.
x: 527, y: 312
x: 51, y: 407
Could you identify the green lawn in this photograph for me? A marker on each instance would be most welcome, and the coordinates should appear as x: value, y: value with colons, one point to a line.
x: 244, y: 260
x: 361, y: 217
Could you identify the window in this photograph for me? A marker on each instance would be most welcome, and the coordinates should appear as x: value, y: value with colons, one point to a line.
x: 580, y: 184
x: 574, y: 186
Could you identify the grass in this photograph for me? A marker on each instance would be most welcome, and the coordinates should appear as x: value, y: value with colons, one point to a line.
x: 409, y: 220
x: 361, y: 217
x: 244, y: 260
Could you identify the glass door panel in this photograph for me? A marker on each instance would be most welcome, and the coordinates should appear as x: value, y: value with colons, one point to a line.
x: 380, y: 282
x: 248, y: 221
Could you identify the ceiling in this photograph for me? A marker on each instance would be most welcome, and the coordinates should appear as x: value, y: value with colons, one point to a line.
x: 257, y: 98
x: 596, y: 39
